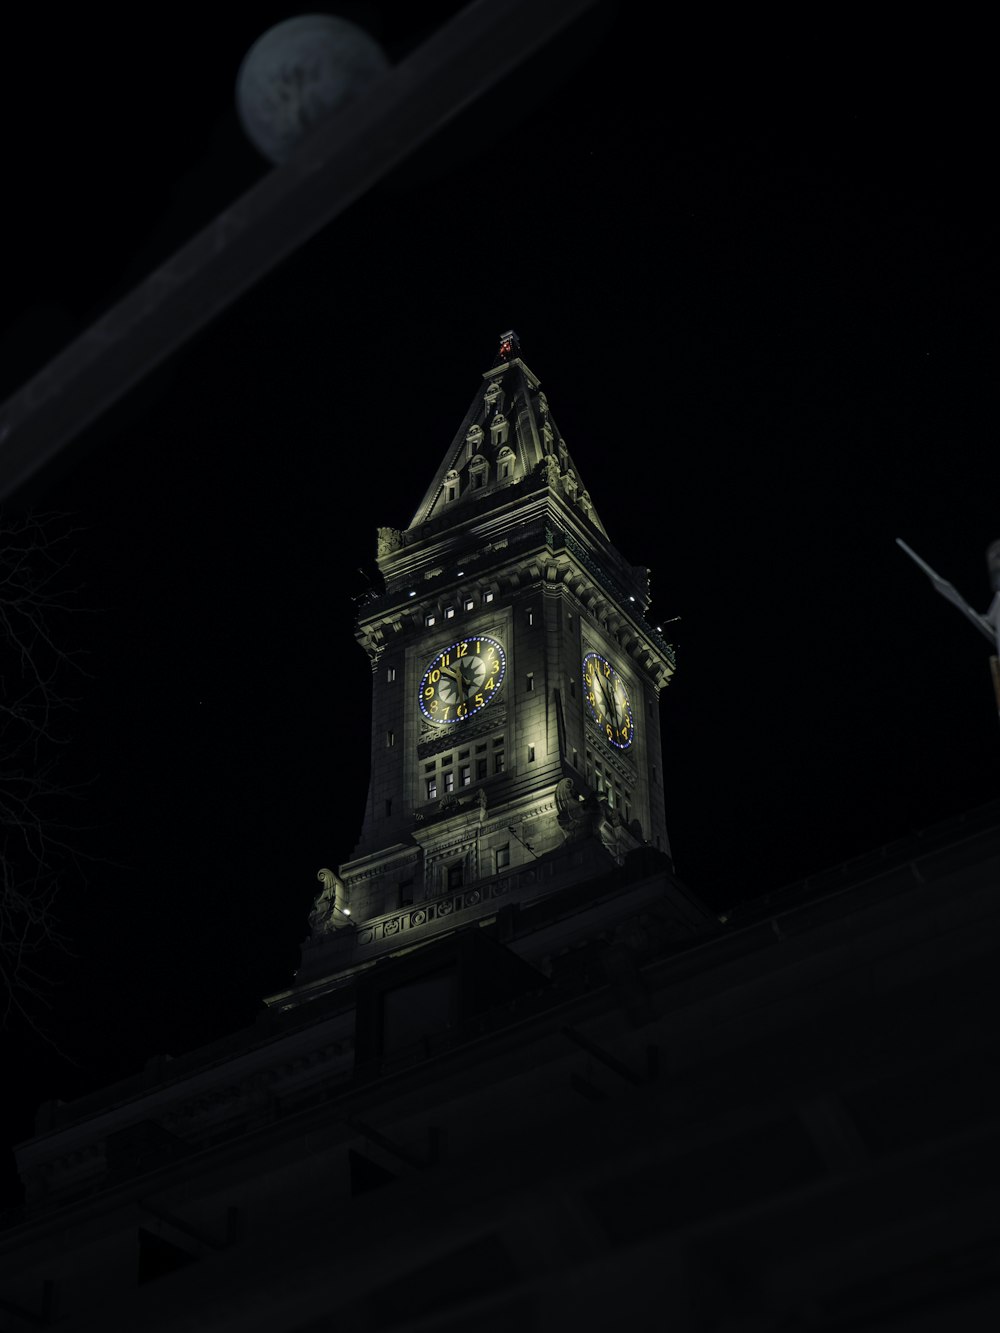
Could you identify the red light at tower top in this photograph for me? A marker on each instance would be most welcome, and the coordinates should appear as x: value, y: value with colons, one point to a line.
x: 509, y: 346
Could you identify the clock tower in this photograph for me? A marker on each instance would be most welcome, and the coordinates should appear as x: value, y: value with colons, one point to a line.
x: 515, y: 733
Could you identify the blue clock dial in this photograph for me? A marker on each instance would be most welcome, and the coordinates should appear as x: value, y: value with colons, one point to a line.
x: 607, y: 700
x: 462, y: 680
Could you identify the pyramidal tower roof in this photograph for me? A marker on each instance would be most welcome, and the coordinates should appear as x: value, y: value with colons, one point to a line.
x: 508, y: 434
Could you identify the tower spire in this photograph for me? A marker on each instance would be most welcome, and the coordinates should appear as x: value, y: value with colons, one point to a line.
x: 508, y: 436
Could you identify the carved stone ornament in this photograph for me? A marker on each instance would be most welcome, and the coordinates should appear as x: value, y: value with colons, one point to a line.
x: 325, y: 916
x: 389, y: 540
x: 492, y: 393
x: 474, y: 436
x: 549, y: 469
x: 543, y: 405
x: 563, y: 453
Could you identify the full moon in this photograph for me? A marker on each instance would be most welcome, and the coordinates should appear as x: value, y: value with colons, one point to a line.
x: 297, y: 74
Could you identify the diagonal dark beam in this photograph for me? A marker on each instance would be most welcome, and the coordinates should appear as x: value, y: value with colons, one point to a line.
x: 335, y: 165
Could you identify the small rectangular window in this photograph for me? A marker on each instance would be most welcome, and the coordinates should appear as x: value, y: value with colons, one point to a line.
x: 464, y: 776
x: 572, y: 689
x: 468, y: 604
x: 576, y: 760
x: 497, y: 740
x: 502, y: 856
x: 480, y: 769
x: 449, y: 780
x: 390, y: 738
x: 390, y: 674
x: 480, y: 747
x: 498, y: 762
x: 432, y: 789
x: 488, y: 597
x: 456, y: 876
x: 529, y: 683
x: 447, y: 760
x: 449, y: 613
x: 531, y: 754
x: 531, y: 616
x: 463, y: 754
x: 430, y: 620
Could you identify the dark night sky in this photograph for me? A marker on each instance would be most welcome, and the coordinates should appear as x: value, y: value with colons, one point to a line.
x: 760, y: 296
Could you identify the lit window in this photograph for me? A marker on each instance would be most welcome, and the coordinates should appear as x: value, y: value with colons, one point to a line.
x: 390, y: 674
x: 576, y: 760
x: 430, y: 620
x: 531, y: 616
x: 468, y: 604
x: 498, y: 762
x: 449, y: 780
x: 432, y: 788
x: 464, y: 776
x: 529, y: 683
x: 488, y: 597
x: 503, y: 856
x: 531, y: 754
x: 390, y: 738
x: 449, y: 613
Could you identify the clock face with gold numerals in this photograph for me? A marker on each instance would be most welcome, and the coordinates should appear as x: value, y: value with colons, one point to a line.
x: 607, y: 700
x: 462, y: 680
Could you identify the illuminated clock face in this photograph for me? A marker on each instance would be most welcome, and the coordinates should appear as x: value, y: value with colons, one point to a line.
x: 462, y: 680
x: 607, y: 700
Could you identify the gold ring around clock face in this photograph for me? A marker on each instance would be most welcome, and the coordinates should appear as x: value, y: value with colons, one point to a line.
x: 462, y: 680
x: 607, y: 700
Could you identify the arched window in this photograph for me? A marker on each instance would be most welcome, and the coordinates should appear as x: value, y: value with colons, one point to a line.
x: 479, y: 470
x: 473, y: 439
x: 499, y: 429
x: 505, y: 463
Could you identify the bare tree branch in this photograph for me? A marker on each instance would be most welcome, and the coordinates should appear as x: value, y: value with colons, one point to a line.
x: 36, y: 847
